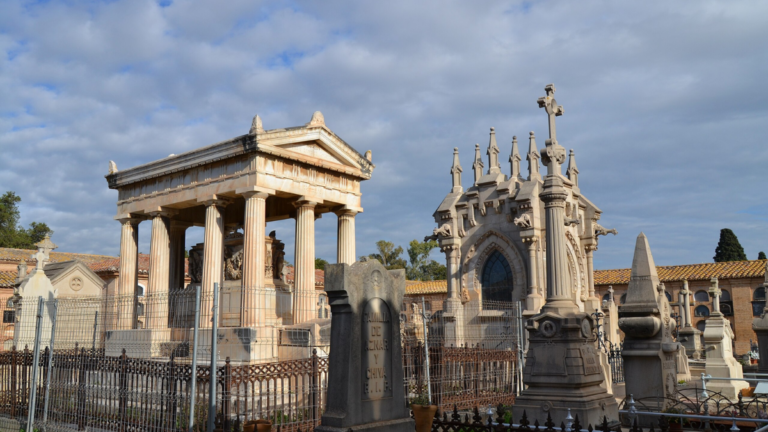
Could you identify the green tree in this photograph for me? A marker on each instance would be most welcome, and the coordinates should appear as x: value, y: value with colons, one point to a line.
x: 389, y: 255
x: 420, y: 266
x: 729, y: 248
x: 12, y: 235
x: 320, y: 264
x: 761, y: 255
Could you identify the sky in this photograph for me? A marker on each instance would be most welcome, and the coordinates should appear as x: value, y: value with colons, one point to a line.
x: 665, y: 105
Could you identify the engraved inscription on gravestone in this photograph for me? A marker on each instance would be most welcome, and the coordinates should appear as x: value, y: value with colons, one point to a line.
x: 377, y: 354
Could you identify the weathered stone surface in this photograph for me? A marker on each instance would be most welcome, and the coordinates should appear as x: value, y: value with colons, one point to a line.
x: 649, y: 350
x: 365, y: 366
x: 718, y: 340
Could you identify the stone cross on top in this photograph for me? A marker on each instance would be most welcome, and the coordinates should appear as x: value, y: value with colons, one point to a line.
x: 44, y: 248
x: 554, y: 154
x: 610, y: 293
x: 715, y: 292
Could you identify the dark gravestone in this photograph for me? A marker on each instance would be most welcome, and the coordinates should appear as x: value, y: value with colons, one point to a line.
x: 365, y: 372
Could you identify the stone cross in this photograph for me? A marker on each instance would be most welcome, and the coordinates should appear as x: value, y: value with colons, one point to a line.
x: 44, y: 248
x: 686, y: 293
x: 549, y: 103
x: 715, y: 292
x: 610, y: 293
x: 554, y: 154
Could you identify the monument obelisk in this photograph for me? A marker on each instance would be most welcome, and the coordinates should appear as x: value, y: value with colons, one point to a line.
x: 562, y: 367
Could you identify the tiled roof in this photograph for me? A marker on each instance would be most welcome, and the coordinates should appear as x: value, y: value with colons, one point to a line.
x: 428, y: 287
x: 10, y: 254
x: 319, y: 277
x: 705, y: 271
x: 7, y: 279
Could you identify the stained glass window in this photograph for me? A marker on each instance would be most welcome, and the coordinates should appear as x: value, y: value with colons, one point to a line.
x: 497, y: 278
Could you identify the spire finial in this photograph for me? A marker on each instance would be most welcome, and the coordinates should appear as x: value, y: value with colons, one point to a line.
x: 514, y: 160
x: 554, y: 154
x: 317, y: 119
x: 533, y: 159
x: 456, y: 171
x: 573, y: 170
x: 478, y: 165
x: 493, y: 154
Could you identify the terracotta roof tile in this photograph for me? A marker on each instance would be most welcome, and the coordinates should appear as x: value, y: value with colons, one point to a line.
x: 7, y: 279
x: 319, y: 277
x: 97, y: 263
x: 427, y: 287
x: 705, y: 271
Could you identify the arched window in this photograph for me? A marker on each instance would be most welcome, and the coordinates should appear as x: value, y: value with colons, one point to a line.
x: 140, y: 290
x: 497, y: 278
x: 606, y: 297
x: 726, y: 309
x: 669, y: 296
x: 623, y: 298
x: 701, y: 311
x: 725, y: 296
x: 139, y: 309
x: 701, y: 296
x: 758, y: 301
x: 701, y: 324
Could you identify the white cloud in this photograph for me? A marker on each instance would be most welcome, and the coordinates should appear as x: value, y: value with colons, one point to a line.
x: 664, y: 104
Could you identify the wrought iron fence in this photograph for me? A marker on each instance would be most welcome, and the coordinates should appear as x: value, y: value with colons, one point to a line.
x: 616, y: 361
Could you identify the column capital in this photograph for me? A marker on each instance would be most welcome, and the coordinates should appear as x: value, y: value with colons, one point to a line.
x: 214, y: 200
x: 125, y: 218
x: 257, y: 191
x: 161, y: 211
x: 307, y: 201
x: 347, y: 210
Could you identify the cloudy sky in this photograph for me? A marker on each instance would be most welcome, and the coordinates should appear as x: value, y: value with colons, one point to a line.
x: 665, y: 105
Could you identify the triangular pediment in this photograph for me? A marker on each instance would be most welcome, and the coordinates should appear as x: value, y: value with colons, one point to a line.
x: 315, y: 150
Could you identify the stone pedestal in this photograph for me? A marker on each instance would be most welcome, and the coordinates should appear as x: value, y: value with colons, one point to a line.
x: 453, y: 314
x: 649, y: 351
x: 365, y: 371
x: 140, y: 343
x: 718, y: 338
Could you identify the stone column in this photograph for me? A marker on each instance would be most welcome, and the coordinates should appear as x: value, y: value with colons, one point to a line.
x: 212, y: 256
x: 534, y: 300
x: 345, y: 249
x: 125, y: 303
x: 558, y: 292
x: 252, y: 302
x: 304, y: 262
x: 590, y: 270
x: 156, y: 297
x: 452, y: 266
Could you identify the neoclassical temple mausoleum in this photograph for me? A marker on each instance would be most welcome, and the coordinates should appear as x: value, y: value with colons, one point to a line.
x: 493, y: 236
x: 233, y: 189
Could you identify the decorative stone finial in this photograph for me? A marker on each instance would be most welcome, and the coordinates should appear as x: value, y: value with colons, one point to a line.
x: 456, y: 172
x: 112, y: 167
x: 554, y: 154
x: 533, y: 159
x: 369, y: 156
x: 643, y: 279
x: 256, y: 126
x: 573, y: 170
x: 317, y: 119
x: 493, y: 154
x: 44, y: 248
x: 478, y: 165
x: 514, y: 160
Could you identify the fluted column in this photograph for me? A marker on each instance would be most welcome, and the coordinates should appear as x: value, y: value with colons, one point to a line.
x: 178, y: 239
x: 156, y: 297
x: 304, y: 276
x: 345, y: 243
x: 212, y: 256
x: 252, y: 300
x: 452, y: 255
x: 125, y: 302
x: 558, y: 289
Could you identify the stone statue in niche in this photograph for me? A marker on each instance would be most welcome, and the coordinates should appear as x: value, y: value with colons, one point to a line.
x: 233, y: 263
x: 196, y: 265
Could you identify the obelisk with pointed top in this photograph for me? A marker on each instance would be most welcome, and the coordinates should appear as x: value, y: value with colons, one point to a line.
x: 563, y: 370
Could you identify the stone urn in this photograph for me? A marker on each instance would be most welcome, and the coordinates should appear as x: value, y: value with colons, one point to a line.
x: 263, y: 426
x: 423, y: 414
x: 249, y: 426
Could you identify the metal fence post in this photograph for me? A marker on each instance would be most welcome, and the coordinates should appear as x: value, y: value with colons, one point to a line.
x: 35, y: 366
x: 50, y: 359
x: 14, y: 381
x: 193, y: 387
x: 214, y: 358
x: 122, y: 382
x: 81, y: 377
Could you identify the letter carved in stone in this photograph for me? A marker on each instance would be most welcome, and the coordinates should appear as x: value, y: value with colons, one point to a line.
x: 377, y: 352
